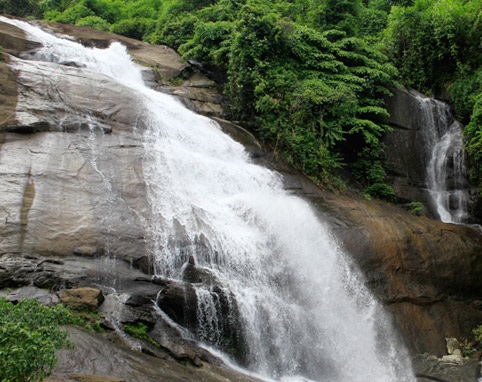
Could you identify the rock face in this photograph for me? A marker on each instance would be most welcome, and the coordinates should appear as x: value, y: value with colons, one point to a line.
x: 406, y: 154
x: 426, y: 272
x: 74, y: 213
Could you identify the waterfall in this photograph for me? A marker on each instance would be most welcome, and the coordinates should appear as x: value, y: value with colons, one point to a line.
x: 277, y: 279
x: 446, y: 173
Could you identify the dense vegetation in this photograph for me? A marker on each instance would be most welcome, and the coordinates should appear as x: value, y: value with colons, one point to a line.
x: 310, y: 76
x: 436, y: 45
x: 30, y: 334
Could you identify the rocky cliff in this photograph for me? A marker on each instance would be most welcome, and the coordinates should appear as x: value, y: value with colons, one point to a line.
x: 74, y: 212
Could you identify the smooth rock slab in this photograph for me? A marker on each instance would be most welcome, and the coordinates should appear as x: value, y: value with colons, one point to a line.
x: 61, y: 191
x: 95, y: 355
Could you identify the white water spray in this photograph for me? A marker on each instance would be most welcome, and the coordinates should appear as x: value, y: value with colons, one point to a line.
x: 446, y: 172
x: 302, y: 309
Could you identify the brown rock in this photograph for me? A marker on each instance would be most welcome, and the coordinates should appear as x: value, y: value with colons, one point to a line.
x: 82, y: 298
x: 13, y: 40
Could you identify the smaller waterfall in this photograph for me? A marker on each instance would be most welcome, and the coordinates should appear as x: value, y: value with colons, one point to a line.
x: 446, y: 173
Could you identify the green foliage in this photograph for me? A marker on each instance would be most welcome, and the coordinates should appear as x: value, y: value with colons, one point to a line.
x: 134, y: 18
x: 29, y: 336
x: 467, y: 347
x: 407, y: 35
x: 309, y: 93
x: 70, y: 15
x: 473, y: 133
x: 436, y: 46
x: 21, y: 8
x: 138, y: 330
x: 136, y: 28
x: 211, y: 41
x: 430, y: 40
x: 372, y: 22
x: 466, y: 93
x: 342, y: 15
x: 477, y: 332
x: 175, y: 32
x: 94, y: 22
x: 375, y: 175
x: 416, y: 208
x: 87, y: 319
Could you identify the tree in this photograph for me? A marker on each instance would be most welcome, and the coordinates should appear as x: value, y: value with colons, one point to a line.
x: 22, y: 8
x: 343, y: 15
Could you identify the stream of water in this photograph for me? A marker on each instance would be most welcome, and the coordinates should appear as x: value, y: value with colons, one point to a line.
x: 446, y: 173
x: 301, y: 305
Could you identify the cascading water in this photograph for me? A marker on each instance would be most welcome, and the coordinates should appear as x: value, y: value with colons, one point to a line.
x: 276, y: 274
x: 446, y: 174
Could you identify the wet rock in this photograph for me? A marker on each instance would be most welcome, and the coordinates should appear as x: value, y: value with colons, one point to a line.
x: 48, y: 279
x: 140, y: 300
x: 16, y: 271
x: 8, y: 95
x: 130, y: 308
x: 242, y: 136
x: 165, y: 60
x: 426, y: 272
x: 82, y: 298
x: 430, y: 368
x: 179, y: 301
x: 144, y: 264
x: 14, y: 41
x: 197, y: 275
x: 30, y: 292
x: 178, y: 348
x: 198, y: 92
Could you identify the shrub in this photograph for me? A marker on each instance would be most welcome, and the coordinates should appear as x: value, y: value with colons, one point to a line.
x: 94, y: 22
x: 30, y: 334
x: 477, y: 332
x: 416, y: 208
